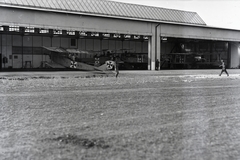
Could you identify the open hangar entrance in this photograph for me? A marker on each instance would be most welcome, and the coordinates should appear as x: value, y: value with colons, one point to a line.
x: 23, y: 47
x: 182, y: 53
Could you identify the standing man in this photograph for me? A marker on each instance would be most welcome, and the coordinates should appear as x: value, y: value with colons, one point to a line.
x: 157, y: 65
x: 223, y: 68
x: 116, y: 67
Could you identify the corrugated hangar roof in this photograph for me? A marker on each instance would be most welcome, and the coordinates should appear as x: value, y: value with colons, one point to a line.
x: 111, y: 9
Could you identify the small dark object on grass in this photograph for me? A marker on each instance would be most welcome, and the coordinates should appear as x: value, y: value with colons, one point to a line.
x: 83, y: 142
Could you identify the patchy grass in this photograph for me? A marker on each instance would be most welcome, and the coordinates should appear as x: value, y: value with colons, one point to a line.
x: 131, y: 117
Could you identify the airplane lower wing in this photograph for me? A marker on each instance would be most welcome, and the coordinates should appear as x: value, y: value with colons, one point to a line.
x: 53, y: 65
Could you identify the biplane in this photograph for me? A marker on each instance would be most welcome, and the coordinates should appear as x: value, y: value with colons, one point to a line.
x: 80, y: 59
x: 187, y: 61
x: 94, y: 60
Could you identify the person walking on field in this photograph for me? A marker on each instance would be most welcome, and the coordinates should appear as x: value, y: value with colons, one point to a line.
x: 223, y: 68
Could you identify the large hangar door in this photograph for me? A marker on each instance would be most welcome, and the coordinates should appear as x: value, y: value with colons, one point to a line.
x: 177, y: 53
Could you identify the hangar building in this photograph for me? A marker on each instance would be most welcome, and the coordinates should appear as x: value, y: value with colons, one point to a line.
x: 29, y: 29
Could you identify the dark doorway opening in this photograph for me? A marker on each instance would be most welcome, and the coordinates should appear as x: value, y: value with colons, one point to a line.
x: 0, y: 61
x: 180, y: 53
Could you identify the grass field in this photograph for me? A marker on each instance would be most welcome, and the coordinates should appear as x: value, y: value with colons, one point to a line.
x: 132, y: 117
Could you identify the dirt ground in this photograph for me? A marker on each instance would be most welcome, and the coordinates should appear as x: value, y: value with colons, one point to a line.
x: 131, y: 117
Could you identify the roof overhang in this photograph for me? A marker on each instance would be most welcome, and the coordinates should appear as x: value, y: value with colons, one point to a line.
x: 96, y: 15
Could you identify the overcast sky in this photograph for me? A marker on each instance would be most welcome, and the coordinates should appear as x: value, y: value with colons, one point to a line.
x: 217, y: 13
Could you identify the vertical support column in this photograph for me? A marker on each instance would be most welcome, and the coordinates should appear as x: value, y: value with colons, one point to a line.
x: 149, y: 52
x: 154, y: 46
x: 158, y: 45
x: 152, y: 53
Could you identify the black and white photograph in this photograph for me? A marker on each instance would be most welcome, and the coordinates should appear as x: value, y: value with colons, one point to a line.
x: 119, y: 80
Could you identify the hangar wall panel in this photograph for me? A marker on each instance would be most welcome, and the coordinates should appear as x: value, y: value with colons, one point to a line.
x: 133, y: 46
x: 4, y: 51
x: 43, y: 19
x: 119, y: 45
x: 199, y: 32
x: 4, y: 40
x: 138, y: 47
x: 89, y: 44
x: 82, y: 44
x: 37, y: 51
x: 65, y: 42
x: 37, y: 41
x: 9, y: 55
x: 105, y: 44
x: 111, y: 45
x: 97, y: 45
x: 167, y: 48
x: 56, y: 42
x: 7, y: 49
x: 126, y: 45
x: 46, y: 41
x: 17, y: 61
x: 145, y: 47
x: 27, y: 41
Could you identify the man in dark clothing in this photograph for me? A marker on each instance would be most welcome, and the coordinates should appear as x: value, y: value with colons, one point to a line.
x: 223, y: 68
x: 157, y: 64
x: 116, y: 67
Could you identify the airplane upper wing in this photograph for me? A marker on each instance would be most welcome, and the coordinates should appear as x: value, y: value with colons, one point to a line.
x: 55, y: 49
x: 63, y: 50
x: 77, y: 51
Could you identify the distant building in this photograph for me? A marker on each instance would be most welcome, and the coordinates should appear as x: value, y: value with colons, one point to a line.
x: 179, y: 39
